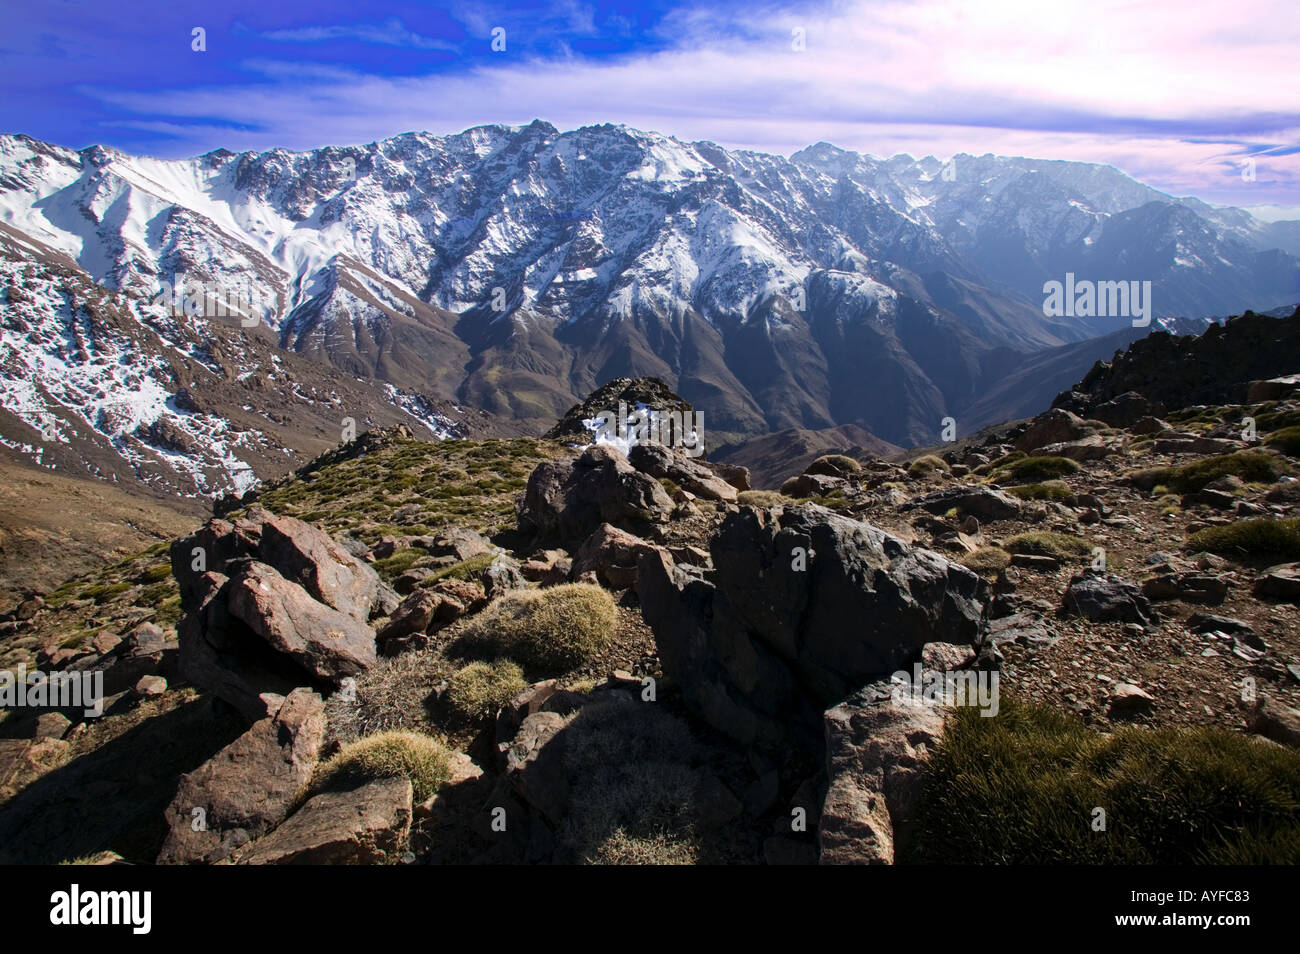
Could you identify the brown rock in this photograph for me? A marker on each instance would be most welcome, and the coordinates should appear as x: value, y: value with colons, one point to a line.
x: 247, y: 788
x: 325, y: 642
x: 367, y: 825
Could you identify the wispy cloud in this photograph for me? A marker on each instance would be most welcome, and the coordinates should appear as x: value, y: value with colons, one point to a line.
x: 1176, y: 92
x: 391, y: 32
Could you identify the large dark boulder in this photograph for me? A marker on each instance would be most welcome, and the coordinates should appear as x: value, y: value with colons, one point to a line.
x: 565, y: 502
x: 803, y: 608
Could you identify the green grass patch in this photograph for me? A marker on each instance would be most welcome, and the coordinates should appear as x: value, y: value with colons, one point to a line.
x: 1062, y: 546
x: 1192, y: 476
x: 1022, y: 788
x: 426, y: 761
x: 1027, y: 470
x: 1287, y: 440
x: 561, y: 627
x: 1046, y: 490
x: 1266, y: 538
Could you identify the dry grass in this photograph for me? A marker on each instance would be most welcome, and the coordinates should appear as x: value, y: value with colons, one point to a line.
x: 394, y: 754
x: 561, y: 627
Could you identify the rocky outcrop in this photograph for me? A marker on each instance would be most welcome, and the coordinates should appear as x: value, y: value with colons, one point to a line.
x: 367, y: 825
x: 247, y: 788
x: 1106, y: 598
x: 566, y: 501
x: 661, y: 462
x: 875, y: 759
x: 982, y: 503
x: 270, y: 603
x: 803, y: 608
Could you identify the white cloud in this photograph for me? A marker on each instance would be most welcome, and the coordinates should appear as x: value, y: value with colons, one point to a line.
x: 1175, y: 92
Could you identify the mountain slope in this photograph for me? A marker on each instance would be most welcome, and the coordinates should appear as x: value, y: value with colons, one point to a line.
x: 516, y: 268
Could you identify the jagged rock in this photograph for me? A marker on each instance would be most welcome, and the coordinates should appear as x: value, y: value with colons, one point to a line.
x: 568, y: 501
x: 1281, y: 582
x: 983, y: 503
x: 220, y: 654
x: 366, y: 825
x: 1108, y: 598
x: 325, y: 642
x: 733, y: 474
x: 1188, y: 587
x: 312, y: 558
x: 501, y: 576
x: 1056, y: 426
x: 413, y: 616
x: 1126, y: 410
x: 148, y: 686
x: 875, y: 760
x: 247, y: 788
x: 1209, y: 623
x: 461, y: 544
x: 1126, y: 698
x: 612, y: 554
x: 1273, y: 389
x: 813, y: 485
x: 758, y: 657
x: 660, y: 462
x: 1275, y: 721
x: 1095, y: 447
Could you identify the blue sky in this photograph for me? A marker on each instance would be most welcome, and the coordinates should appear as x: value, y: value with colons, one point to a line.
x: 1183, y: 94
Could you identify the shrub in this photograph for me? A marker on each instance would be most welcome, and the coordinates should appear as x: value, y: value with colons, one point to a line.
x: 1049, y: 543
x: 481, y: 688
x: 924, y: 466
x: 394, y: 566
x: 635, y: 785
x: 1286, y: 440
x: 761, y: 498
x: 1271, y: 538
x: 396, y: 754
x: 834, y: 465
x: 1032, y: 469
x: 465, y: 570
x: 1047, y: 490
x: 1021, y: 789
x: 559, y: 627
x: 987, y: 560
x: 1190, y: 477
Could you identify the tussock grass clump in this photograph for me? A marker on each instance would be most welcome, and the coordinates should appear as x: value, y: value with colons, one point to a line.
x: 761, y: 498
x: 987, y: 560
x: 636, y: 784
x: 1287, y: 440
x: 1062, y: 546
x: 481, y: 688
x: 834, y: 465
x: 1192, y: 476
x: 927, y: 465
x: 1021, y: 789
x: 389, y: 568
x: 394, y: 754
x: 561, y: 627
x: 1277, y: 420
x: 1047, y: 490
x: 1032, y: 469
x: 465, y: 570
x: 1270, y: 538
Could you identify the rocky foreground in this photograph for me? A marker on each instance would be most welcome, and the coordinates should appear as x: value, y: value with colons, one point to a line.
x: 529, y: 651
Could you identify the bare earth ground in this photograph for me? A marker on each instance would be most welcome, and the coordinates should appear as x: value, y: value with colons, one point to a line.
x: 53, y: 528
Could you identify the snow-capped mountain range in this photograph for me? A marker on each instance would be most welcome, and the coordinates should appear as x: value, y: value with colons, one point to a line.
x: 514, y: 269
